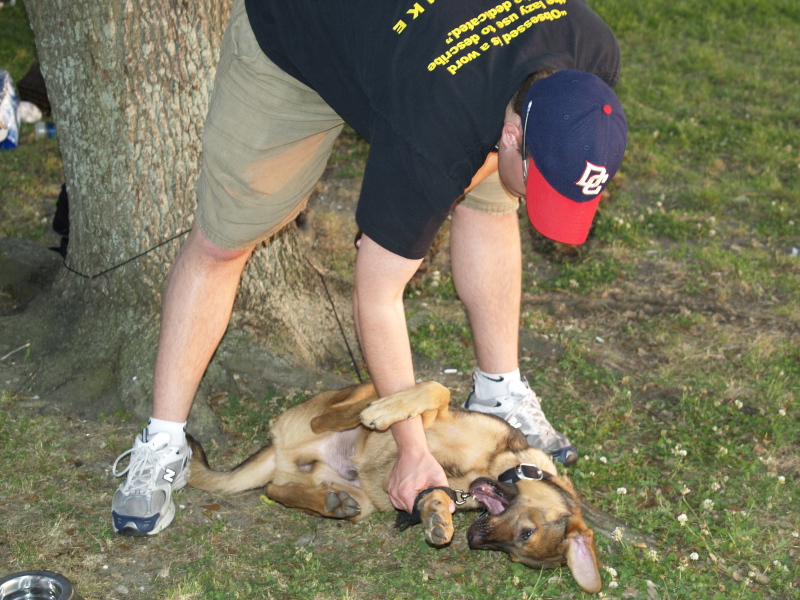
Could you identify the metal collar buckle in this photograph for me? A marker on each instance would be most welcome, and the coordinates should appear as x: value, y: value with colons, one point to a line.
x: 524, y: 471
x: 529, y: 471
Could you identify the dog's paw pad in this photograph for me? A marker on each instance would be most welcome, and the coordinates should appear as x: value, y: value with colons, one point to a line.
x: 341, y: 505
x: 438, y: 531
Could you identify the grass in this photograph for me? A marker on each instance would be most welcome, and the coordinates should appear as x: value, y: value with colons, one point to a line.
x: 349, y: 155
x: 665, y: 349
x: 30, y: 175
x: 17, y: 46
x: 443, y: 341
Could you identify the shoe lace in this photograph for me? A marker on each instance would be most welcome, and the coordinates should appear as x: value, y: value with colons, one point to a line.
x: 143, y: 464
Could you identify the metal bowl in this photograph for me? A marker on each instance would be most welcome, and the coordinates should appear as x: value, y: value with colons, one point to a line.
x: 36, y: 585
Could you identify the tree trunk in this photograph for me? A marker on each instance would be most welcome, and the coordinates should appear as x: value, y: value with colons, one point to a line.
x: 129, y: 83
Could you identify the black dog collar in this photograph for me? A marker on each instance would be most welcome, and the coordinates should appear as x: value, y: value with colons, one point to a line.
x: 524, y: 471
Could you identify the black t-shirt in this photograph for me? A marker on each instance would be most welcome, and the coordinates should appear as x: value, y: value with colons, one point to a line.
x: 427, y: 84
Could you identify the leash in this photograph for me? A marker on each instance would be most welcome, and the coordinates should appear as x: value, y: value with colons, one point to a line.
x: 125, y: 262
x: 338, y: 321
x: 184, y: 232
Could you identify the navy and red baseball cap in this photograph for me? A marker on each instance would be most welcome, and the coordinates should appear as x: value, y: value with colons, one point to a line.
x: 575, y: 132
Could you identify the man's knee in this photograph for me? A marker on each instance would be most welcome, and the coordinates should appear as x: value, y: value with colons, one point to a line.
x: 491, y: 197
x: 199, y: 245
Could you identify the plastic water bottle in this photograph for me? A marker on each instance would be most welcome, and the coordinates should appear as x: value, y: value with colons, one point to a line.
x: 44, y: 129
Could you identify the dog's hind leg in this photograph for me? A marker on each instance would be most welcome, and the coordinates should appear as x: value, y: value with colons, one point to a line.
x: 429, y: 399
x: 434, y: 510
x: 323, y: 501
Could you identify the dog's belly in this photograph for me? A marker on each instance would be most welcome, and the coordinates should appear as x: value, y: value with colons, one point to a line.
x: 339, y: 452
x: 333, y: 456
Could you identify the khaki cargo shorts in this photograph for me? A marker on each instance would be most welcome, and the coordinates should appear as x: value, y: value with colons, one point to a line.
x: 267, y: 140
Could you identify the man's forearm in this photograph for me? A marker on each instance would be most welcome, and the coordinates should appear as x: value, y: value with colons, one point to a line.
x: 380, y: 280
x: 410, y: 436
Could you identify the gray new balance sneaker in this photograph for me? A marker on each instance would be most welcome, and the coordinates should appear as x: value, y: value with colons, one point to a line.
x: 143, y: 503
x: 521, y: 409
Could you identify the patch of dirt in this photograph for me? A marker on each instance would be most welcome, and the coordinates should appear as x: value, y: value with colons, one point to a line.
x: 26, y: 269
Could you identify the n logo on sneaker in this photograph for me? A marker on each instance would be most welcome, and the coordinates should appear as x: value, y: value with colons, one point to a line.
x: 514, y: 422
x: 169, y: 475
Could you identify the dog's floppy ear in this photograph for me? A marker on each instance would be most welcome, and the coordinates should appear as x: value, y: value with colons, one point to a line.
x: 581, y: 556
x: 342, y: 407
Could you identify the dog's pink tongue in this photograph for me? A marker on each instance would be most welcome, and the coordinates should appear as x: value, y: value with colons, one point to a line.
x: 495, y: 507
x: 486, y: 496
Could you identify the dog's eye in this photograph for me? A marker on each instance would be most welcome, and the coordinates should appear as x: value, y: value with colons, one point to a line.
x: 526, y: 533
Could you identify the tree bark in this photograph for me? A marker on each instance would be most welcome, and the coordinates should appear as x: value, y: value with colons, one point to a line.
x: 129, y: 84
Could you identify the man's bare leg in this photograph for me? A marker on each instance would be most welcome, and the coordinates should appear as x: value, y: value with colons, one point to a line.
x: 198, y: 300
x: 197, y: 306
x: 486, y: 257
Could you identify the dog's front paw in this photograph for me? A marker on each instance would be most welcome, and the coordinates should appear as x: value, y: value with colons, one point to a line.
x: 383, y: 413
x: 341, y: 505
x: 434, y: 510
x: 438, y: 529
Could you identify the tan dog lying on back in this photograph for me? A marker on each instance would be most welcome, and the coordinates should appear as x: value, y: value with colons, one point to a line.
x: 331, y: 456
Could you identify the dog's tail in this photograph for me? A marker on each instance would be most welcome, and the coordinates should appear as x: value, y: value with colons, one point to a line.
x: 255, y: 472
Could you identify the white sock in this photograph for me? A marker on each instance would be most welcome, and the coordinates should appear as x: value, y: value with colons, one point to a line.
x: 491, y: 385
x: 176, y: 431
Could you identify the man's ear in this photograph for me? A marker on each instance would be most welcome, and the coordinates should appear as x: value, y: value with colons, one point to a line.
x: 511, y: 136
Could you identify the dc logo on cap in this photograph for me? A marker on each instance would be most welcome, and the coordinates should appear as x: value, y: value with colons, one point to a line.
x: 592, y: 179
